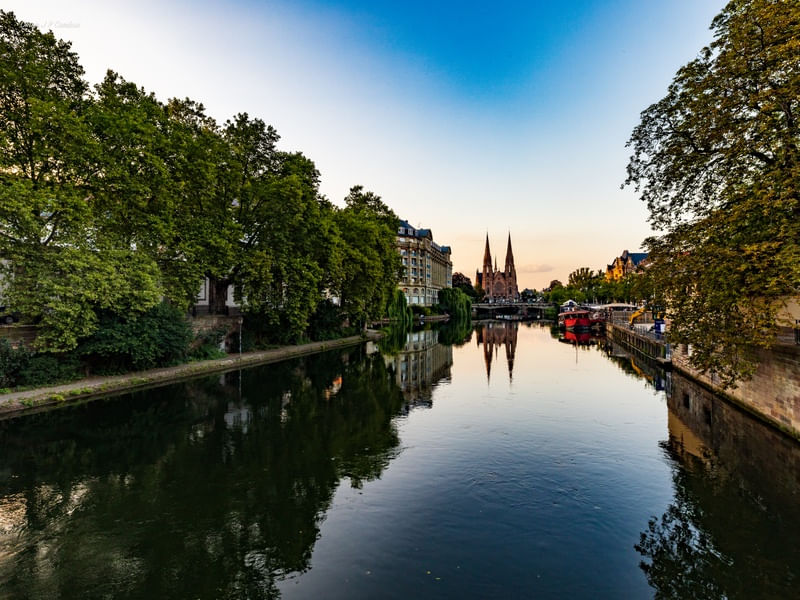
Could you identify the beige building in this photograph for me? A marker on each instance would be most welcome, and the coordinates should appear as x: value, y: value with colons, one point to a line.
x: 427, y: 267
x: 625, y: 264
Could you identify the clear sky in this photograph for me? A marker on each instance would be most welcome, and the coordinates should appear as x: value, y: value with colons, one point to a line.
x: 467, y: 117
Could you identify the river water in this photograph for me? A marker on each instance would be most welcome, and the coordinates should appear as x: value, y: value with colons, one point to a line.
x: 494, y: 462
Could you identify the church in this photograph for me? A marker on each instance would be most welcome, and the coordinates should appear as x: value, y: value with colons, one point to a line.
x: 498, y: 285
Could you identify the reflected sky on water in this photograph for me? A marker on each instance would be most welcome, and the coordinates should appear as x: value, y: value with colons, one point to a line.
x: 488, y: 462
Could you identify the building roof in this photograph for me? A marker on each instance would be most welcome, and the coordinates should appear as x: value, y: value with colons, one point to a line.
x: 406, y: 228
x: 637, y: 257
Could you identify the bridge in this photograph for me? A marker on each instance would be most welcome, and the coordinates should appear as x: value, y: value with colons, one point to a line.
x: 524, y: 309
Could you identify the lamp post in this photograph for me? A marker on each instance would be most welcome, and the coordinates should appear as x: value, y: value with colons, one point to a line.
x: 241, y: 320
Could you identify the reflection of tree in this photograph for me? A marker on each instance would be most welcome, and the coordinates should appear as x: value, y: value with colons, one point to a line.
x: 680, y: 558
x: 455, y: 332
x: 731, y: 529
x: 188, y: 491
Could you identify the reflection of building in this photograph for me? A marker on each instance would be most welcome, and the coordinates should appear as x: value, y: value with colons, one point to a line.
x: 493, y: 335
x: 732, y: 443
x: 421, y: 363
x: 498, y: 285
x: 426, y: 265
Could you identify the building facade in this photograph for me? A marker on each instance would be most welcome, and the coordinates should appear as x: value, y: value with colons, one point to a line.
x: 498, y: 285
x: 625, y: 264
x: 427, y: 267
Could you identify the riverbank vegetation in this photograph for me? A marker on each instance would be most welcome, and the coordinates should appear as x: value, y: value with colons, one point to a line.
x: 717, y: 161
x: 585, y: 285
x: 115, y: 206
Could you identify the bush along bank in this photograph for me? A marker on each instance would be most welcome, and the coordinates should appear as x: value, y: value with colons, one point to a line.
x: 160, y: 337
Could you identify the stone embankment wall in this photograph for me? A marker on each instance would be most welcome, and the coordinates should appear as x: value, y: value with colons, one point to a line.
x: 772, y: 394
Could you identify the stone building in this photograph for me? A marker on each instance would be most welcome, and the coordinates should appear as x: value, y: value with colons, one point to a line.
x: 625, y: 264
x: 498, y: 285
x: 427, y: 267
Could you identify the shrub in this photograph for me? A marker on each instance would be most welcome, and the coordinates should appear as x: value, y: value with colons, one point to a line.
x: 46, y: 369
x: 12, y: 361
x: 326, y: 322
x: 206, y: 345
x: 157, y: 337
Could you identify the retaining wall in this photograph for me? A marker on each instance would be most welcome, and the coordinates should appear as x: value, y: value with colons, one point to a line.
x: 773, y: 393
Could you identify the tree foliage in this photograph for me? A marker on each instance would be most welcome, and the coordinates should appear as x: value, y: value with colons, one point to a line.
x: 717, y: 162
x: 371, y: 264
x: 455, y: 303
x: 112, y: 200
x: 464, y: 283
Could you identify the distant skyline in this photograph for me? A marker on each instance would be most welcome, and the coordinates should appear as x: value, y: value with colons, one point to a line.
x: 466, y: 117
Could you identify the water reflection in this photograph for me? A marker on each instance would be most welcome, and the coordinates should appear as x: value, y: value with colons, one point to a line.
x: 205, y: 489
x: 223, y: 487
x: 421, y: 363
x: 638, y: 366
x: 731, y: 530
x: 491, y: 335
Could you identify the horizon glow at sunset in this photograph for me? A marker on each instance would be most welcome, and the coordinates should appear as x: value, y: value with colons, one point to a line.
x: 466, y: 118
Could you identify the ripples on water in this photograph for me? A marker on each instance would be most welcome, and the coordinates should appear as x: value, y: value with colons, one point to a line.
x: 501, y: 463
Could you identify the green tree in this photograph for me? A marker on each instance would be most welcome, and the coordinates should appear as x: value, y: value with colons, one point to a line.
x: 371, y: 264
x: 464, y: 283
x: 456, y: 303
x: 60, y: 266
x: 580, y: 278
x: 717, y: 162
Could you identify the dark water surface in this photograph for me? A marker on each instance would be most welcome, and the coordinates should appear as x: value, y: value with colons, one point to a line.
x: 509, y: 465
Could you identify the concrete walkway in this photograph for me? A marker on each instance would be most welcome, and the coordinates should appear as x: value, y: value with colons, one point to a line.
x: 16, y: 403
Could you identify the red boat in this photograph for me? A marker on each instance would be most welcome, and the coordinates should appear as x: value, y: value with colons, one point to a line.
x: 575, y: 319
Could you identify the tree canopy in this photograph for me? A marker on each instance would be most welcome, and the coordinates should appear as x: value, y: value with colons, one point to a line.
x: 717, y: 162
x: 112, y: 200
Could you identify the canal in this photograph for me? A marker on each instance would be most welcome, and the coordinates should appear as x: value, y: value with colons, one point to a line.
x: 488, y: 462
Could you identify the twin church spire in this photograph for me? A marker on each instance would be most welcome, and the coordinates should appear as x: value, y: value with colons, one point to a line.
x: 496, y: 284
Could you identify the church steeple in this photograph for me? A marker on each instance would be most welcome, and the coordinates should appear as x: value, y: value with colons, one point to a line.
x: 498, y: 284
x: 509, y: 256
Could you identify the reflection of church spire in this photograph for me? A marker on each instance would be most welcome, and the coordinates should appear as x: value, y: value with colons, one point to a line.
x: 511, y: 349
x: 491, y: 337
x: 487, y: 358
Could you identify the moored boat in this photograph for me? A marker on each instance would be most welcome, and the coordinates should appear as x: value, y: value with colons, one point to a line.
x: 575, y: 319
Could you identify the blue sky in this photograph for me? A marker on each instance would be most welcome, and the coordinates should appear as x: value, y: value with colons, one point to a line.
x: 466, y: 117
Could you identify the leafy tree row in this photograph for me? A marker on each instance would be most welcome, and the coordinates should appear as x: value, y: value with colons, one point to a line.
x: 585, y: 285
x: 112, y: 200
x: 717, y: 161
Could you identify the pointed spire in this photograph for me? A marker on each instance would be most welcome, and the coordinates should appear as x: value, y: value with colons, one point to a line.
x: 509, y: 255
x: 487, y: 255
